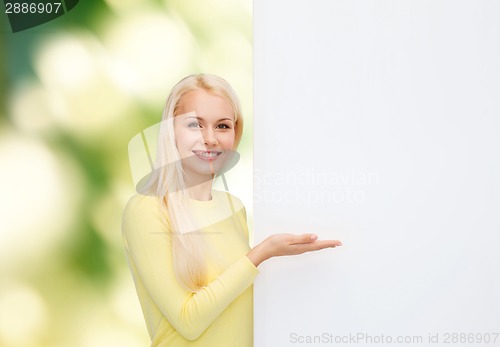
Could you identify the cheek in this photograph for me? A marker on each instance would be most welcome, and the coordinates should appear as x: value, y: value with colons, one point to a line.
x: 228, y: 140
x: 186, y: 138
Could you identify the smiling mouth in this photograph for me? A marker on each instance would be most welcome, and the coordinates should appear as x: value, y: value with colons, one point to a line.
x: 208, y: 155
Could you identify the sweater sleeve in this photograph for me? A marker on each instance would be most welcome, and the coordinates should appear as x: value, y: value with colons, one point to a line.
x: 148, y: 246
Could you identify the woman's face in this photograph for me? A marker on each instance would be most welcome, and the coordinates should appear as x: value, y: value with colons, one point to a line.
x: 204, y: 132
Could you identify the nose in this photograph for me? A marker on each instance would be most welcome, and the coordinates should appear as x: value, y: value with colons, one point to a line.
x: 210, y: 138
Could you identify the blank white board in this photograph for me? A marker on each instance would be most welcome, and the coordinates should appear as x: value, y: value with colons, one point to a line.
x: 378, y: 123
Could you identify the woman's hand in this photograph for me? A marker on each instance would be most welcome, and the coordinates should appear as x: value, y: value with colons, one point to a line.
x: 288, y: 244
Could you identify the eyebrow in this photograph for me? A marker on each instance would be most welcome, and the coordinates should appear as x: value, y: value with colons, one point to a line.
x: 200, y: 118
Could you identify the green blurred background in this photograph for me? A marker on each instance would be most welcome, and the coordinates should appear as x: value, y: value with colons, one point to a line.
x: 74, y: 91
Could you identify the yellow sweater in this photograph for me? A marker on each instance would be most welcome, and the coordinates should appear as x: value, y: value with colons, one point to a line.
x: 221, y: 313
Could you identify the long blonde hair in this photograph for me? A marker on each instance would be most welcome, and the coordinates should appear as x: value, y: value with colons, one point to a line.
x: 189, y: 249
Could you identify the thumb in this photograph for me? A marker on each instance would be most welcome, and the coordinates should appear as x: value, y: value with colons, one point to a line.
x: 305, y: 238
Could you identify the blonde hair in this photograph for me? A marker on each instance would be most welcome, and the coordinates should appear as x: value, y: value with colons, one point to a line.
x: 189, y: 249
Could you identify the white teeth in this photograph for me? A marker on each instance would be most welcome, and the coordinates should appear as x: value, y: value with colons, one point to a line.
x: 207, y: 154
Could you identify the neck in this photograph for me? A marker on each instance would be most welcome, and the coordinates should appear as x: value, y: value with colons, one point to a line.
x: 201, y: 191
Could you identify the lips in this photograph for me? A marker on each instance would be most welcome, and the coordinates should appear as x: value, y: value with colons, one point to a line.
x: 208, y: 155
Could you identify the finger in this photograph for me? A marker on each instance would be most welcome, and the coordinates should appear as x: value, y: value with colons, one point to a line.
x: 316, y: 246
x: 329, y: 243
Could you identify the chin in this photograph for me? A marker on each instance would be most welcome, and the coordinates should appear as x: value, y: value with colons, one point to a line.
x: 197, y: 167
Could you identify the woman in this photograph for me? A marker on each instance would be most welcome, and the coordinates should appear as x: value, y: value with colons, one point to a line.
x: 187, y: 244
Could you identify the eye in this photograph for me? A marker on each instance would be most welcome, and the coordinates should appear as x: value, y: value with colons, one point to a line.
x: 223, y: 126
x: 194, y: 125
